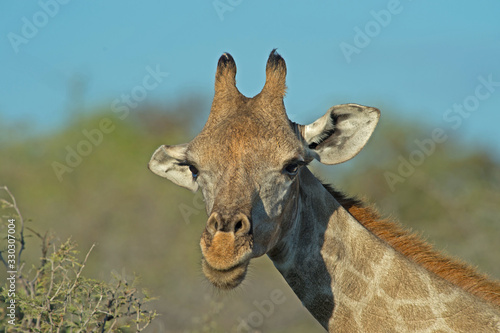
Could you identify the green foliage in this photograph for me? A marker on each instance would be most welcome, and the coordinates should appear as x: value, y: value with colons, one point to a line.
x: 54, y: 296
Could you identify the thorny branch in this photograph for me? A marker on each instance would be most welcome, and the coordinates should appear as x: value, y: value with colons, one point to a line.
x: 56, y: 296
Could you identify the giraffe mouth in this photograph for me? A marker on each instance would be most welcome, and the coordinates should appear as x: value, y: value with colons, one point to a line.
x: 225, y: 258
x: 225, y: 279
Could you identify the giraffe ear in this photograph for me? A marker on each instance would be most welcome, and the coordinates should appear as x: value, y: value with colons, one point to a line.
x: 341, y: 133
x: 169, y: 162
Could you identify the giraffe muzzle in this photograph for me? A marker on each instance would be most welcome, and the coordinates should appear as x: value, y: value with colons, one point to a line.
x: 226, y: 246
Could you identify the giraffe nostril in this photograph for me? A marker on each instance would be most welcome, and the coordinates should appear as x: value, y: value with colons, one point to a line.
x: 213, y: 224
x: 242, y: 225
x: 238, y: 226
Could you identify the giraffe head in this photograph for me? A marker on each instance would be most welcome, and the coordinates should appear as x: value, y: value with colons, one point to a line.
x: 247, y: 162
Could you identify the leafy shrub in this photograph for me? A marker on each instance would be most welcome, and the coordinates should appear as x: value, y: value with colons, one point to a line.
x: 55, y: 296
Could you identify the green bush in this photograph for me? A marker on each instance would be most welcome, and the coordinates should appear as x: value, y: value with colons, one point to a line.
x: 54, y: 296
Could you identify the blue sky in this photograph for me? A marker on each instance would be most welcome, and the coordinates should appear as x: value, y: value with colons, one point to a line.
x: 419, y: 60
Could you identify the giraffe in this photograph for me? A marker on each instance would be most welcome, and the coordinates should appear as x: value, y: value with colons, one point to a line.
x: 353, y: 271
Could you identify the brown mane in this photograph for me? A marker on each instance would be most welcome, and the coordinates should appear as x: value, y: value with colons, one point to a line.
x: 417, y: 250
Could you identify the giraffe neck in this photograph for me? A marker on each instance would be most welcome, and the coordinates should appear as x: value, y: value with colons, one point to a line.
x: 352, y: 281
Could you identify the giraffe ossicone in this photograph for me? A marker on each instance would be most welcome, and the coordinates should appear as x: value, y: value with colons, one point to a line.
x: 352, y: 270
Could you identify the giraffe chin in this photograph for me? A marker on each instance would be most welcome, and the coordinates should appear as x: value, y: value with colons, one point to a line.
x: 225, y: 279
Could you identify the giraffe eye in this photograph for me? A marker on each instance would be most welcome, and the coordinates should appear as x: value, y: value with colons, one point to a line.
x: 292, y: 169
x: 194, y: 171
